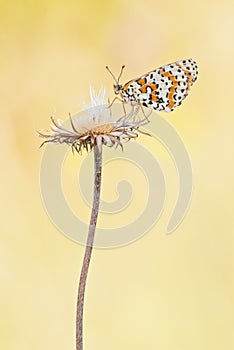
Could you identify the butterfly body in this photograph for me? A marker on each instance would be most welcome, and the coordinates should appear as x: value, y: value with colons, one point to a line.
x: 162, y: 89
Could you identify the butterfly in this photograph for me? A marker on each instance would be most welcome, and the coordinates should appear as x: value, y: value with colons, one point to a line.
x: 162, y: 89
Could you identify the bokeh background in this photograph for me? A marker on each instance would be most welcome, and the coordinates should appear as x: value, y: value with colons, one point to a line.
x: 164, y: 291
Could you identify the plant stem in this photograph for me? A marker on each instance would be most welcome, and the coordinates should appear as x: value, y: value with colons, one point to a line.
x: 89, y: 247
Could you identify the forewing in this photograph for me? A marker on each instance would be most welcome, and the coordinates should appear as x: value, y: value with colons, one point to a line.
x: 166, y: 87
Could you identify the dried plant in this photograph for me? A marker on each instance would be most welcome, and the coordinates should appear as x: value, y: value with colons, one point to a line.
x: 90, y: 132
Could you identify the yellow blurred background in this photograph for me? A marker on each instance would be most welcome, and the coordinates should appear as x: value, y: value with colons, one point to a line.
x: 163, y: 291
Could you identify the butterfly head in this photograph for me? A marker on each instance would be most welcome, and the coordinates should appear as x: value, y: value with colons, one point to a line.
x: 117, y: 86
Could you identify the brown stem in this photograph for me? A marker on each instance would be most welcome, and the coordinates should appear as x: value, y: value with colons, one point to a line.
x: 89, y: 247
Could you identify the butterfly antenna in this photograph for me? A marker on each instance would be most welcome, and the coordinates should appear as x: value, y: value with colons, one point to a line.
x: 116, y: 80
x: 121, y: 72
x: 112, y: 74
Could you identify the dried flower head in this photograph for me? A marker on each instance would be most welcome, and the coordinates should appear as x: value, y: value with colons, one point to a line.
x: 96, y: 127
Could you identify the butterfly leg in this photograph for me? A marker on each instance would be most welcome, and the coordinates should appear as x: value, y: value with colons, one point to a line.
x: 146, y: 117
x: 110, y: 110
x: 124, y: 108
x: 119, y: 99
x: 116, y: 98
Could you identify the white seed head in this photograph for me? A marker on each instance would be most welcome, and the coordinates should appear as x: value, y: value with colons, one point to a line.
x: 96, y: 126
